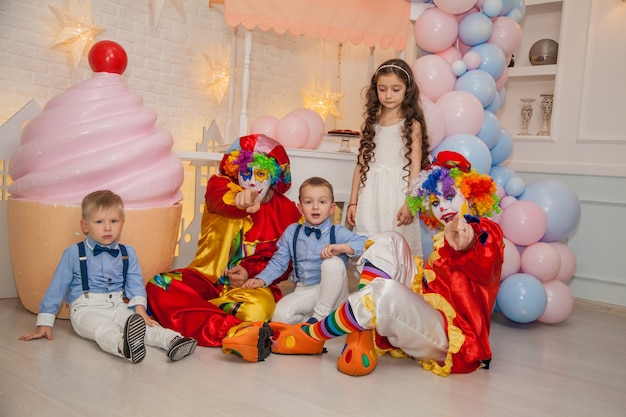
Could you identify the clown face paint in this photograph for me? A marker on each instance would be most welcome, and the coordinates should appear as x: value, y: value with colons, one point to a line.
x: 444, y: 209
x: 255, y: 179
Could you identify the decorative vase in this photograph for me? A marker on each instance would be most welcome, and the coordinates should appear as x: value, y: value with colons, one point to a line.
x: 546, y: 114
x: 344, y: 146
x: 527, y: 114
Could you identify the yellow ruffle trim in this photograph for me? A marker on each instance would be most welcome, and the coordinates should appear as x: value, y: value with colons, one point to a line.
x: 455, y: 335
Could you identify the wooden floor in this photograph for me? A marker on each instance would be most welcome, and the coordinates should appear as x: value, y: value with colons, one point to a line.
x: 576, y: 368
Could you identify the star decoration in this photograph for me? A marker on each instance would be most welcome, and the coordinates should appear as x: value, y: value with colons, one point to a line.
x: 323, y: 102
x: 157, y: 8
x: 78, y: 30
x: 219, y: 73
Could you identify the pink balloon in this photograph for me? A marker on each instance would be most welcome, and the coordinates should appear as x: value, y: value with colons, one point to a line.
x: 265, y: 125
x: 460, y: 16
x: 462, y: 111
x: 434, y: 76
x: 560, y: 302
x: 317, y: 127
x: 472, y: 60
x: 452, y: 54
x: 435, y: 30
x: 501, y: 81
x: 523, y: 223
x: 455, y: 6
x: 435, y: 122
x: 568, y: 261
x: 500, y: 192
x: 292, y: 132
x: 541, y: 261
x: 506, y: 34
x: 507, y: 201
x: 511, y: 264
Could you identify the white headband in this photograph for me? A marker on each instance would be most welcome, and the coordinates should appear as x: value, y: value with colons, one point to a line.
x: 395, y: 66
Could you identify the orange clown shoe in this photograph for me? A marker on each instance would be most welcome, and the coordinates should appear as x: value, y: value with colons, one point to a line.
x: 250, y: 341
x: 358, y: 357
x: 290, y: 339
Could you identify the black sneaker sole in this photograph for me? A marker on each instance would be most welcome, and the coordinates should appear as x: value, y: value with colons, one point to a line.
x: 134, y: 338
x: 264, y: 345
x: 182, y: 350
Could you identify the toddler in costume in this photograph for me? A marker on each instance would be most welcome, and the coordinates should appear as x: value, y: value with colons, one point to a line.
x: 94, y: 276
x: 319, y: 253
x: 245, y: 214
x: 439, y: 315
x: 392, y: 152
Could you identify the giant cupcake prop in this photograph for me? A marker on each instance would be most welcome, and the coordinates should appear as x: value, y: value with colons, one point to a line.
x: 96, y: 135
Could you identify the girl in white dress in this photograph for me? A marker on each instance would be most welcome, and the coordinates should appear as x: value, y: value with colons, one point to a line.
x: 393, y: 150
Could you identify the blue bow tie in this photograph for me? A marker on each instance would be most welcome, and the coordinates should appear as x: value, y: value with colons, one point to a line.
x: 99, y: 249
x: 308, y: 230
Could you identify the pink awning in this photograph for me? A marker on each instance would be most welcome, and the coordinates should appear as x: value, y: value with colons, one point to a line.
x: 385, y: 23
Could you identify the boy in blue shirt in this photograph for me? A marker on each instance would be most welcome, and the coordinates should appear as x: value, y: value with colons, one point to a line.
x: 95, y: 277
x: 319, y: 253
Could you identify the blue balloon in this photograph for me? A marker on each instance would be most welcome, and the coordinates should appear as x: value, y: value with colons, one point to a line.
x: 507, y: 5
x: 475, y: 28
x: 503, y: 148
x: 560, y: 204
x: 501, y: 174
x: 458, y: 67
x: 490, y: 131
x: 472, y: 148
x: 522, y: 298
x: 492, y: 59
x: 519, y: 9
x: 495, y: 105
x: 514, y: 186
x: 480, y: 84
x: 492, y: 8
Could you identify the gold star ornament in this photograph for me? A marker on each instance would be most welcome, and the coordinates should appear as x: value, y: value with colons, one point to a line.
x: 78, y: 30
x: 219, y: 73
x: 322, y: 102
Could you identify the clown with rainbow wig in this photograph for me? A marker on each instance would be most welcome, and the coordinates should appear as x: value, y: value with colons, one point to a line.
x: 245, y: 214
x: 437, y: 312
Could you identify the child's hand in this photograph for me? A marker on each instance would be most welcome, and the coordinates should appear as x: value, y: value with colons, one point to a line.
x: 336, y: 249
x: 141, y: 310
x: 253, y: 283
x: 41, y: 332
x: 351, y: 215
x: 404, y: 216
x: 459, y: 234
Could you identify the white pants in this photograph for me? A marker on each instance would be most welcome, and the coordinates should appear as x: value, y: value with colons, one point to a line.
x: 102, y: 317
x: 316, y: 301
x: 390, y: 306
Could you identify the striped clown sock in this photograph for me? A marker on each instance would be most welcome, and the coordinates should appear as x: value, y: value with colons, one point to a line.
x: 339, y: 322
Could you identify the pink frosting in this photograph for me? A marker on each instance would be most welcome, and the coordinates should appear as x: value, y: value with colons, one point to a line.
x: 96, y: 135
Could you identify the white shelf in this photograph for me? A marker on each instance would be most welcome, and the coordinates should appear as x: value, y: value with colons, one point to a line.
x: 539, y: 2
x: 532, y: 71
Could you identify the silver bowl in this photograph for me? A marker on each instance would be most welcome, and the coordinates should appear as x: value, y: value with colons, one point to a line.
x: 543, y: 52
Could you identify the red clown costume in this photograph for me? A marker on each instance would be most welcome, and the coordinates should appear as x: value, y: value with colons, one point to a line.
x: 198, y: 300
x: 436, y: 312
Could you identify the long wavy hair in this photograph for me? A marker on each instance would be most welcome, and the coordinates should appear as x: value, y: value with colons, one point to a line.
x: 411, y: 110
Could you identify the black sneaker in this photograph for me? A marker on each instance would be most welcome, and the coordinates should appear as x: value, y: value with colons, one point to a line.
x: 134, y: 335
x: 181, y: 347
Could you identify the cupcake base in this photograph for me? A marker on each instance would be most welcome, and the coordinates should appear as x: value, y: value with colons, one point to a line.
x: 39, y: 233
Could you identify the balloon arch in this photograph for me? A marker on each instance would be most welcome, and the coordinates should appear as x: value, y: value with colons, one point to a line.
x: 462, y: 73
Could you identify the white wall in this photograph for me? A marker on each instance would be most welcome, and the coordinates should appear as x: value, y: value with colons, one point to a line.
x: 167, y: 66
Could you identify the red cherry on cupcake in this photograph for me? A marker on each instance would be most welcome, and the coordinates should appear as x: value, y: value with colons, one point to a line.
x: 107, y: 56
